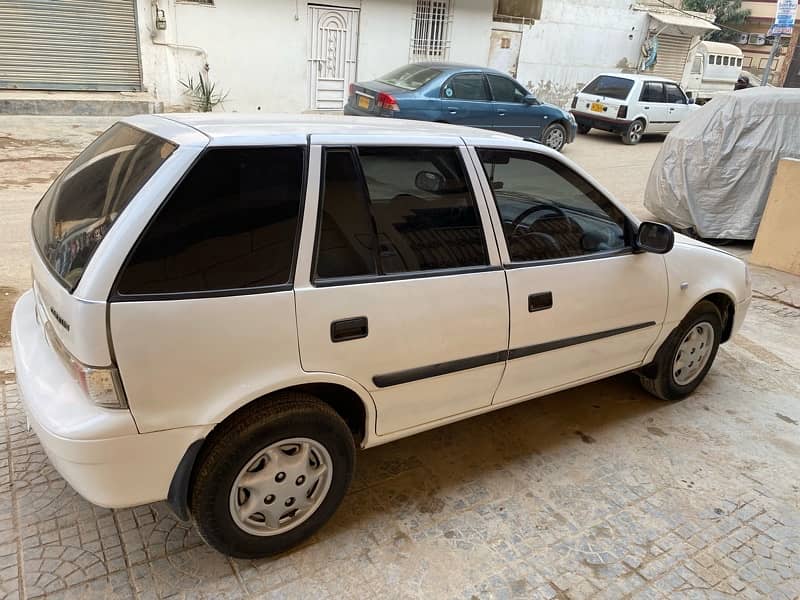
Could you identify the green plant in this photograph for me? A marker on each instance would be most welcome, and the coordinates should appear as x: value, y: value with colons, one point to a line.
x: 203, y: 92
x: 726, y: 12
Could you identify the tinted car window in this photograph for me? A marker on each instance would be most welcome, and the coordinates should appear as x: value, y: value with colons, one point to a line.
x: 230, y: 224
x: 346, y: 245
x: 652, y: 91
x: 410, y: 77
x: 548, y: 211
x: 609, y: 86
x: 674, y: 94
x: 83, y: 203
x: 505, y: 90
x: 466, y: 87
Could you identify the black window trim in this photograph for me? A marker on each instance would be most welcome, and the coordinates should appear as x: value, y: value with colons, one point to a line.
x: 630, y: 228
x: 116, y: 296
x: 486, y: 88
x: 321, y: 282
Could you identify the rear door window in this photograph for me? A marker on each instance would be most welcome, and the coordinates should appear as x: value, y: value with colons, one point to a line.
x: 652, y: 91
x: 231, y: 224
x: 610, y: 87
x: 83, y: 203
x: 470, y: 86
x: 395, y: 211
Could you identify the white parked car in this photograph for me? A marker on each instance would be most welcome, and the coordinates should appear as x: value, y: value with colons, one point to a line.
x: 225, y: 307
x: 631, y: 105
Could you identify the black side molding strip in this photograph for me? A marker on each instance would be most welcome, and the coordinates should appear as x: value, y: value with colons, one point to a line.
x: 444, y: 368
x: 572, y: 341
x: 462, y: 364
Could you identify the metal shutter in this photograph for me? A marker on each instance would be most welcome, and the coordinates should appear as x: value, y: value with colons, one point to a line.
x: 673, y: 51
x: 69, y: 45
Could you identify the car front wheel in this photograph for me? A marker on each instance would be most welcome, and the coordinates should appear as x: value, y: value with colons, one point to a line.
x: 271, y: 476
x: 555, y: 136
x: 685, y: 357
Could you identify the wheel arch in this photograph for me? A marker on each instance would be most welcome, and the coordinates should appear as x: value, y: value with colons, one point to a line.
x: 727, y: 307
x: 350, y: 401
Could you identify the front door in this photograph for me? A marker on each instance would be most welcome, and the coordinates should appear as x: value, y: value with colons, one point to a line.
x: 511, y: 113
x: 582, y: 304
x: 401, y: 291
x: 677, y: 105
x: 466, y: 101
x: 334, y: 48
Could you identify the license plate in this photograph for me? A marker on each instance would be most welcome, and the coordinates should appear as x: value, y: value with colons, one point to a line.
x: 597, y: 107
x: 363, y: 102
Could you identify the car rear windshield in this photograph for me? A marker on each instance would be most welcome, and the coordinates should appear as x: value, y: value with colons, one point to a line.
x: 610, y: 87
x: 80, y: 207
x: 410, y: 77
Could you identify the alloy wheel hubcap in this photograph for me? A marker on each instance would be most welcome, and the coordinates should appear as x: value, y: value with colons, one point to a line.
x: 554, y: 139
x: 636, y: 131
x: 693, y: 353
x: 281, y: 486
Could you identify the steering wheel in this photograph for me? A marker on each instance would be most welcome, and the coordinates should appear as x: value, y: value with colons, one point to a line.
x: 520, y: 218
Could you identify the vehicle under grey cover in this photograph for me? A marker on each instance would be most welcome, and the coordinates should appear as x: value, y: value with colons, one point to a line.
x: 715, y: 170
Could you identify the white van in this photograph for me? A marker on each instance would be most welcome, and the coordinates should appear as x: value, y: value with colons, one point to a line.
x: 714, y: 70
x: 225, y: 307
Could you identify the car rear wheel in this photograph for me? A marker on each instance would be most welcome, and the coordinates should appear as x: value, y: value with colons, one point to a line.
x: 583, y: 129
x: 271, y: 476
x: 685, y: 357
x: 555, y: 136
x: 633, y: 135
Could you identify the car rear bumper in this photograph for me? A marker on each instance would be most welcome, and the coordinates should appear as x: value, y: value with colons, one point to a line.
x: 98, y: 451
x: 597, y: 122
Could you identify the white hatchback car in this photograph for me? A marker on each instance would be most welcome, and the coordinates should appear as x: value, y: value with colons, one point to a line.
x: 225, y: 307
x: 631, y: 105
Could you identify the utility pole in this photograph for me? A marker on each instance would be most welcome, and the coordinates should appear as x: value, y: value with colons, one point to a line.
x: 776, y: 46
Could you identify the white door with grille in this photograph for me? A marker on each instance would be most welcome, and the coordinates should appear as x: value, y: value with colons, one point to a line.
x: 334, y: 50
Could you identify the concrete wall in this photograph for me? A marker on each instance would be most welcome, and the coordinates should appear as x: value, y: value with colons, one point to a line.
x: 258, y: 50
x: 777, y: 243
x: 575, y: 40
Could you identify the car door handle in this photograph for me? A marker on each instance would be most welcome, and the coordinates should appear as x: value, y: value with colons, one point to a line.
x: 647, y: 108
x: 501, y: 113
x: 349, y: 329
x: 452, y: 111
x: 540, y: 301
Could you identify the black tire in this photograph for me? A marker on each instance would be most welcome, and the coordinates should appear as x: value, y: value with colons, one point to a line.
x: 633, y: 134
x: 658, y: 378
x: 236, y: 441
x: 583, y: 129
x: 555, y: 136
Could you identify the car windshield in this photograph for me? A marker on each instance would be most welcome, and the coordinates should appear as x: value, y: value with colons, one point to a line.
x: 610, y: 87
x: 410, y: 77
x: 83, y: 203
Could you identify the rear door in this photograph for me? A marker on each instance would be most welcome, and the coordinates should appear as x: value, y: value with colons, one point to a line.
x: 652, y: 101
x: 402, y: 290
x: 511, y: 113
x: 466, y: 101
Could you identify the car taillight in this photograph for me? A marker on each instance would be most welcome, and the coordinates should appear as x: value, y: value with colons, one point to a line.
x: 386, y: 101
x: 351, y: 90
x: 102, y: 386
x: 622, y: 112
x: 574, y: 101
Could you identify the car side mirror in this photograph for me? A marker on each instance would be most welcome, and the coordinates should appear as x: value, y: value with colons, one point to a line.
x: 690, y: 101
x: 531, y: 100
x: 654, y: 237
x: 429, y: 181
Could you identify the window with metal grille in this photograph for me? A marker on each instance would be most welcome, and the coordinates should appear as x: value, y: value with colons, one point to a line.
x: 430, y: 31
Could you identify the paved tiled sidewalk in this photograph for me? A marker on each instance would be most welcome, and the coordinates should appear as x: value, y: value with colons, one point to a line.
x: 600, y: 492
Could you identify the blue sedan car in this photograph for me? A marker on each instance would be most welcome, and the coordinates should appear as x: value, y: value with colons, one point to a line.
x: 462, y: 95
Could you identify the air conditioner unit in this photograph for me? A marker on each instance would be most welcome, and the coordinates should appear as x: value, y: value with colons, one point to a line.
x: 743, y: 38
x: 757, y: 39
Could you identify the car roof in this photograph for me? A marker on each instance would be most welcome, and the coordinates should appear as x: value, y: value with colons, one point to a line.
x: 232, y: 128
x: 454, y: 66
x: 636, y: 77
